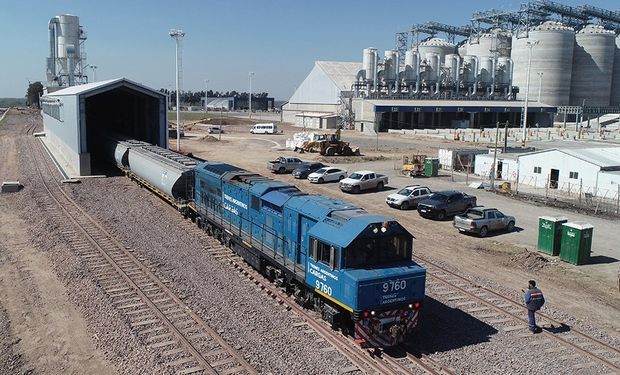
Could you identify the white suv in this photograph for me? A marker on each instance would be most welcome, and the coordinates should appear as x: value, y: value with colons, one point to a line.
x: 408, y: 197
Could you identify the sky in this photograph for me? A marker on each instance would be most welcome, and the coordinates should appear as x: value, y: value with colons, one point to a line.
x: 225, y: 39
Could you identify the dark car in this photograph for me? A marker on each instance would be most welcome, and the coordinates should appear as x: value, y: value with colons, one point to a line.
x: 306, y: 169
x: 445, y: 203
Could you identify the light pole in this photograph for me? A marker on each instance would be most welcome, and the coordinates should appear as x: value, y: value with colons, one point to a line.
x: 529, y: 44
x: 250, y: 75
x: 540, y: 76
x: 206, y: 95
x: 177, y: 35
x: 94, y: 68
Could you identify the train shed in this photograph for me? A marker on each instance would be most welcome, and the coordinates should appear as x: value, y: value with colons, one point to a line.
x: 78, y: 119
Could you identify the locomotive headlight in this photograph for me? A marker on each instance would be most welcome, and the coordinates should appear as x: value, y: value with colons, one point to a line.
x: 372, y: 313
x: 383, y: 229
x: 411, y: 305
x: 375, y: 230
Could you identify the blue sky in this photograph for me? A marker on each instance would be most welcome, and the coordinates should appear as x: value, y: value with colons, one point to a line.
x: 277, y: 40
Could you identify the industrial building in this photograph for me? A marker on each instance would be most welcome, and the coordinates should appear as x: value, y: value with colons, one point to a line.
x: 77, y: 119
x: 592, y: 170
x: 564, y: 60
x: 67, y: 57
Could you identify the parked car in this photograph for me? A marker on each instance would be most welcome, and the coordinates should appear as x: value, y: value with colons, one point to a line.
x: 284, y: 164
x: 363, y: 180
x: 215, y: 129
x: 482, y: 220
x: 304, y: 170
x: 442, y: 204
x: 407, y: 197
x: 327, y: 174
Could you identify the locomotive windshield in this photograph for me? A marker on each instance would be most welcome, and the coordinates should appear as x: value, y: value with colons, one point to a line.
x: 366, y: 252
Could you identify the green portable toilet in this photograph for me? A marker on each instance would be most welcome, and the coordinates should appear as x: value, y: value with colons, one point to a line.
x: 550, y: 234
x: 576, y: 242
x: 431, y: 167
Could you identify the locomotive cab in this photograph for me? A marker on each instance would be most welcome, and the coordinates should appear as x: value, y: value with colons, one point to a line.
x: 363, y: 265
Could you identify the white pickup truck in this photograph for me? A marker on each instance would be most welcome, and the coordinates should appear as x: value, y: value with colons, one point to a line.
x: 363, y: 180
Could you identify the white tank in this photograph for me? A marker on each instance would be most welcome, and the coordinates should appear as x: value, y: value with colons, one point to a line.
x: 615, y: 82
x: 503, y: 71
x: 436, y: 45
x: 485, y: 69
x: 68, y: 35
x: 593, y: 61
x: 451, y: 63
x: 552, y: 56
x: 368, y: 62
x: 469, y: 64
x: 432, y: 71
x: 495, y: 42
x: 462, y: 49
x: 390, y: 65
x: 411, y: 66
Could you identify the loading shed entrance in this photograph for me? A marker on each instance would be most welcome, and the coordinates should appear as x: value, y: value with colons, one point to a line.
x: 78, y: 120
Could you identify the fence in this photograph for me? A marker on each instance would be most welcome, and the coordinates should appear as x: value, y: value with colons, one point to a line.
x: 591, y: 199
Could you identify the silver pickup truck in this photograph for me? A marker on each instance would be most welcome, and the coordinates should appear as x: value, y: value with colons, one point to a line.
x: 363, y: 180
x: 482, y: 220
x: 284, y: 164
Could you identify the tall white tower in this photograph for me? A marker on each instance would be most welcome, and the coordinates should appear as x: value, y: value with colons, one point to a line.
x: 65, y: 65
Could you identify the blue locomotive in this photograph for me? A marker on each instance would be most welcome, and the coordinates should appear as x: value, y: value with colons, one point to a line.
x: 352, y: 266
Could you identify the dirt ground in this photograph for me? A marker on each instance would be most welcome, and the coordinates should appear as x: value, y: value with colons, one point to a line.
x: 44, y: 331
x: 502, y: 260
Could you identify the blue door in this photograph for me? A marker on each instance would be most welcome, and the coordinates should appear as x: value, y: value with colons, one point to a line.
x: 305, y: 224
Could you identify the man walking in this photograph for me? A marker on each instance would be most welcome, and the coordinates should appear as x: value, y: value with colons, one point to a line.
x: 534, y: 300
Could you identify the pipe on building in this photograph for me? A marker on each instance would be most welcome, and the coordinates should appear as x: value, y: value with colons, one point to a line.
x: 456, y: 74
x: 493, y: 75
x: 53, y: 26
x: 511, y: 77
x: 418, y: 74
x: 475, y: 86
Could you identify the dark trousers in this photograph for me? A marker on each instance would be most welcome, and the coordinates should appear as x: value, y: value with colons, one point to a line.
x: 531, y: 317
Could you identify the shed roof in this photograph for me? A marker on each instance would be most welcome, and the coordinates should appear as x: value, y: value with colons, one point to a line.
x: 101, y: 86
x: 343, y: 74
x: 603, y: 157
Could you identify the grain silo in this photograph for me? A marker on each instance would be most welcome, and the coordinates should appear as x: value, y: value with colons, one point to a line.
x: 552, y: 56
x: 437, y: 45
x: 593, y: 61
x: 615, y: 82
x: 493, y: 43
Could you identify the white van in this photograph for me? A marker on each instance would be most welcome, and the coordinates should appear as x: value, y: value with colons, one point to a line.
x: 264, y: 129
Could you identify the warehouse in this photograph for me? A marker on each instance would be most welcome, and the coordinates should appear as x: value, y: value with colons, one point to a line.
x: 321, y: 89
x: 592, y: 170
x: 76, y: 120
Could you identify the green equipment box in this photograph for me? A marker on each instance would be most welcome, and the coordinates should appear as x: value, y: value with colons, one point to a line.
x: 550, y: 234
x: 576, y: 242
x: 431, y: 167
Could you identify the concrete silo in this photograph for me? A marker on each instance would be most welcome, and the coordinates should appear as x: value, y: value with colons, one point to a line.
x: 593, y: 61
x: 496, y: 42
x: 615, y: 82
x: 552, y: 56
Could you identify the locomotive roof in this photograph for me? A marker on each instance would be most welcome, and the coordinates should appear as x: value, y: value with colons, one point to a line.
x: 318, y: 206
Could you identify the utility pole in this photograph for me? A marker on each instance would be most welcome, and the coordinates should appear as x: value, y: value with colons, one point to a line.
x: 94, y: 68
x: 529, y: 44
x: 494, y: 168
x: 506, y: 135
x: 177, y: 35
x: 250, y: 95
x: 206, y: 95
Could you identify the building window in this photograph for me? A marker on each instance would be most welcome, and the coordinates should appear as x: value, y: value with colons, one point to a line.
x: 573, y: 175
x: 538, y: 170
x: 52, y: 108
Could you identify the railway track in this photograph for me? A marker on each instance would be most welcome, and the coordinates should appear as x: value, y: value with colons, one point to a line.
x: 185, y: 343
x: 577, y: 349
x: 366, y: 361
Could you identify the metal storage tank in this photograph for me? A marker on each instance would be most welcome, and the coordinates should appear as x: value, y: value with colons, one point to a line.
x: 436, y: 45
x: 485, y: 72
x: 452, y: 63
x: 615, y: 82
x: 68, y: 35
x: 487, y: 44
x: 553, y: 56
x: 462, y: 49
x: 504, y: 66
x: 593, y: 61
x: 369, y: 62
x: 432, y: 71
x: 390, y: 65
x: 469, y: 69
x: 411, y: 65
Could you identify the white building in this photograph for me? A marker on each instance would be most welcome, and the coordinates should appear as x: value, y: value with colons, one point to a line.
x: 593, y: 170
x: 77, y: 119
x: 320, y: 91
x: 506, y: 166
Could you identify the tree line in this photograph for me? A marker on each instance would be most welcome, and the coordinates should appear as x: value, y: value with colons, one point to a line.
x: 195, y: 97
